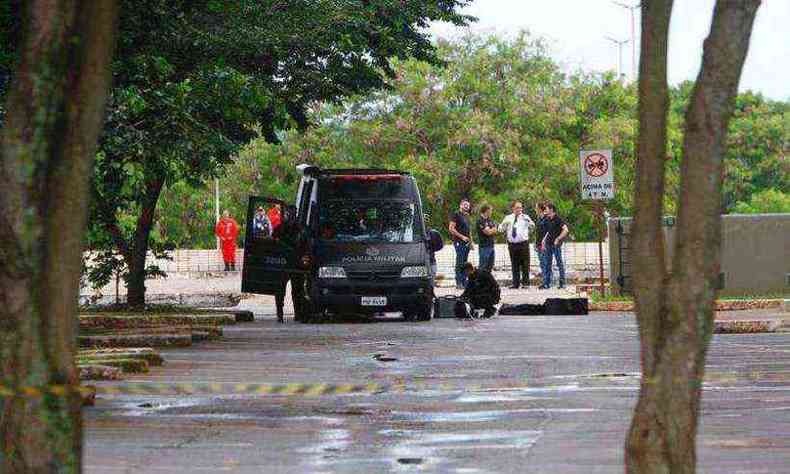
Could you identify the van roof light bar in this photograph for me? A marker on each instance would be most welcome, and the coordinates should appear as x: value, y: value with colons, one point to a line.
x: 312, y: 170
x: 363, y: 172
x: 365, y: 177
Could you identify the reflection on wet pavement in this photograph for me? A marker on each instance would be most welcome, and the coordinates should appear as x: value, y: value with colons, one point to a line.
x: 506, y: 395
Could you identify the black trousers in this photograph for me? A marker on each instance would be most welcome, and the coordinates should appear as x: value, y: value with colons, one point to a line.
x: 519, y: 262
x: 279, y: 303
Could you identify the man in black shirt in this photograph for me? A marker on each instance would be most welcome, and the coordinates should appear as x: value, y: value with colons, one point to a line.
x: 556, y: 231
x: 486, y: 230
x: 462, y: 241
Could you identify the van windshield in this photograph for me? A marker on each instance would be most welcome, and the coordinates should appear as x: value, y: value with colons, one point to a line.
x: 392, y: 221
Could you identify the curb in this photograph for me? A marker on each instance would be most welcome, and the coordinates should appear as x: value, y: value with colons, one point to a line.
x: 748, y: 326
x: 216, y: 300
x: 721, y: 305
x: 112, y: 321
x: 136, y: 340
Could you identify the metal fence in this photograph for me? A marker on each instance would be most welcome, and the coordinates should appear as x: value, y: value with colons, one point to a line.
x: 578, y: 257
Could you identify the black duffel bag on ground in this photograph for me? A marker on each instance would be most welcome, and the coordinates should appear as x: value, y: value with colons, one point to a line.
x: 525, y: 309
x: 566, y: 306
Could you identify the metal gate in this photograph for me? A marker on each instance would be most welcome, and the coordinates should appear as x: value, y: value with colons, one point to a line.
x: 621, y: 260
x: 624, y: 275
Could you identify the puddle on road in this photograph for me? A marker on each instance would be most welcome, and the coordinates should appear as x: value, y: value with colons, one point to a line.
x: 452, y: 417
x: 478, y: 395
x: 479, y: 416
x: 606, y: 375
x: 430, y: 448
x: 496, y: 397
x: 330, y: 441
x: 484, y: 358
x: 154, y: 406
x: 372, y: 343
x: 502, y: 439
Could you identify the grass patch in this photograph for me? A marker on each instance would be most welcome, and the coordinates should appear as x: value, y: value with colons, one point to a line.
x: 777, y: 295
x: 149, y: 309
x: 595, y: 297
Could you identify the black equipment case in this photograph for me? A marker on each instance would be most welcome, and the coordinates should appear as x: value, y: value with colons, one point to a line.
x: 444, y: 306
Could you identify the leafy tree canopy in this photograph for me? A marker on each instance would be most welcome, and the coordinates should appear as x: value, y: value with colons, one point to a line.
x: 501, y: 121
x: 195, y: 80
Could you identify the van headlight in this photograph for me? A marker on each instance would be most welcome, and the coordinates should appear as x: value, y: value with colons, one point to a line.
x: 414, y: 272
x: 331, y: 272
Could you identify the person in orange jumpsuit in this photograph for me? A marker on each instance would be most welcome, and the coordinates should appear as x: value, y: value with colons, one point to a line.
x: 227, y: 230
x: 275, y: 216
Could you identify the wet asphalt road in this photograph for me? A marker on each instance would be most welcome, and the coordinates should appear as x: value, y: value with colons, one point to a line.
x: 511, y: 394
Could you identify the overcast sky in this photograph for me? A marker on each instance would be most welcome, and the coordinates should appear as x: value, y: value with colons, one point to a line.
x: 576, y: 30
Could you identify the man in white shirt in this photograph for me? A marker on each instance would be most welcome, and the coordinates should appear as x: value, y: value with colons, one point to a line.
x: 515, y: 227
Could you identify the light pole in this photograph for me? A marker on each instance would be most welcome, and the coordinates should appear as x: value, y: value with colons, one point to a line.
x: 632, y: 9
x: 619, y: 44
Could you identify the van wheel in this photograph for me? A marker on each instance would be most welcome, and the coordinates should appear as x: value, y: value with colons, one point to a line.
x: 420, y: 313
x: 425, y: 313
x: 307, y: 312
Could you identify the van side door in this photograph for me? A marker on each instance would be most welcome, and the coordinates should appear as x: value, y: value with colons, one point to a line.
x: 271, y: 246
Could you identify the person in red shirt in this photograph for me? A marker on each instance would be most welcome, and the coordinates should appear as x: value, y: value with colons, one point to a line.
x: 275, y: 216
x: 227, y: 230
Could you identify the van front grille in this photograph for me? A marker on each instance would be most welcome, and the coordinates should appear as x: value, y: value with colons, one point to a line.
x: 372, y: 276
x: 372, y: 291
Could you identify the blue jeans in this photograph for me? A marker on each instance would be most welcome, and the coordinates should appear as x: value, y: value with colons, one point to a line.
x: 461, y: 257
x: 542, y: 264
x: 554, y: 252
x: 486, y: 258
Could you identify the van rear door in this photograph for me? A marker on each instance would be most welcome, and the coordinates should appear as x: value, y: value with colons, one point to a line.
x: 270, y: 246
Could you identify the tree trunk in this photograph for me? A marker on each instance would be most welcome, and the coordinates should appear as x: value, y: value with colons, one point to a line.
x: 646, y: 445
x: 138, y: 250
x: 675, y: 311
x: 54, y: 115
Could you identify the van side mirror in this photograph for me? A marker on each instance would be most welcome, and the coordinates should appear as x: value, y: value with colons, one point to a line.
x: 435, y: 241
x: 290, y: 214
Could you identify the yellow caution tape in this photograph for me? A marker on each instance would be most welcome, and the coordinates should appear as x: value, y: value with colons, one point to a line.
x: 290, y: 390
x: 287, y: 390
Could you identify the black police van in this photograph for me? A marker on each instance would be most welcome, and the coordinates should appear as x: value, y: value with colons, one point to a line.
x: 354, y: 242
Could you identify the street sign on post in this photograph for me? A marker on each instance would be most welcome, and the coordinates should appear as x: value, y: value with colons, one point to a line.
x: 596, y: 177
x: 596, y: 174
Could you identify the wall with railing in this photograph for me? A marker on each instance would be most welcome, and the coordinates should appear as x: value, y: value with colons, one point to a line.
x: 578, y: 257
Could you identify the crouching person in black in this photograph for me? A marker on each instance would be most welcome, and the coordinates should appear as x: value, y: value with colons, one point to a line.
x: 482, y: 290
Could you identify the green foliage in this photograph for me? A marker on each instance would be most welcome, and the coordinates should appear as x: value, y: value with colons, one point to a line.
x: 767, y: 201
x: 501, y: 121
x: 196, y: 80
x: 10, y: 31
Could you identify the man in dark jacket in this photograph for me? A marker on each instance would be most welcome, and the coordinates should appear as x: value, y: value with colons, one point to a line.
x: 435, y: 243
x: 482, y: 290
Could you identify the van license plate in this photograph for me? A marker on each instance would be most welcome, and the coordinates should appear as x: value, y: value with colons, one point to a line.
x: 374, y: 301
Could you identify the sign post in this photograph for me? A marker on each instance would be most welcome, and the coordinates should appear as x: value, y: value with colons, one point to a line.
x: 596, y: 171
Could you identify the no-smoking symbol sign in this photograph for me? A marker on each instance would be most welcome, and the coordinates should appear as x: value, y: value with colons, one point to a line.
x: 596, y: 174
x: 596, y: 165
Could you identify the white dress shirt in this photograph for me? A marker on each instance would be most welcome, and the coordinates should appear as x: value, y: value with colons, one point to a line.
x: 522, y: 225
